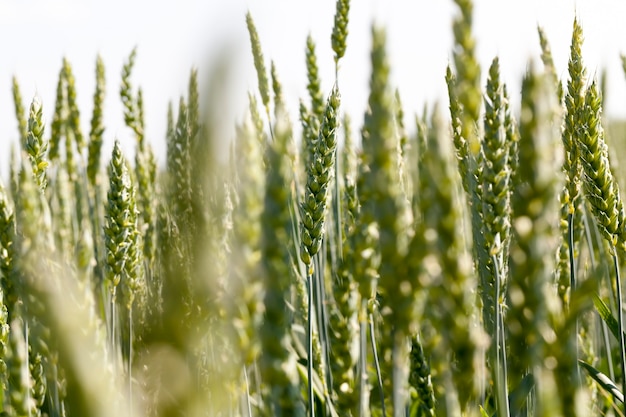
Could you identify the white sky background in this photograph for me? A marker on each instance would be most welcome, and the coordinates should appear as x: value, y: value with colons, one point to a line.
x: 174, y: 36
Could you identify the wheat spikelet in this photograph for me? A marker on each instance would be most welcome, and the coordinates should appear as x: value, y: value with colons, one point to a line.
x: 57, y: 127
x: 131, y: 111
x: 314, y: 82
x: 468, y: 90
x: 574, y: 104
x: 420, y: 380
x: 601, y: 188
x: 319, y: 175
x: 122, y: 241
x: 36, y: 146
x: 259, y: 63
x: 340, y: 29
x: 19, y: 111
x: 97, y: 128
x: 495, y: 192
x: 73, y: 120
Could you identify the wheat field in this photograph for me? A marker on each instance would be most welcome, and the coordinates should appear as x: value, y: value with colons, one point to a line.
x: 464, y: 261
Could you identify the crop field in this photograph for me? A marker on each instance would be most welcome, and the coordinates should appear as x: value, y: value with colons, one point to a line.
x: 464, y: 261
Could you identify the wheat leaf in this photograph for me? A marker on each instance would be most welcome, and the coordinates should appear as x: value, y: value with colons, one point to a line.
x: 603, y: 380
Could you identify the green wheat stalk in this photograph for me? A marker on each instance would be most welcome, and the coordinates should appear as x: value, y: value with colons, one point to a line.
x: 314, y: 210
x: 277, y: 362
x: 548, y: 62
x: 574, y: 105
x: 74, y: 144
x: 460, y: 141
x: 34, y: 237
x: 339, y: 34
x: 495, y: 176
x: 57, y: 127
x: 245, y: 284
x: 97, y: 128
x: 62, y: 214
x: 535, y: 219
x: 179, y: 166
x: 256, y: 120
x: 277, y: 89
x: 259, y: 63
x: 123, y: 266
x: 468, y: 91
x: 8, y: 252
x: 439, y: 259
x: 20, y: 381
x: 320, y: 174
x: 389, y: 208
x: 193, y: 103
x: 14, y: 170
x: 129, y: 101
x: 602, y: 192
x: 6, y: 242
x: 73, y: 120
x: 420, y: 379
x: 36, y: 146
x: 311, y: 119
x: 314, y: 82
x: 343, y: 317
x: 571, y: 195
x: 122, y: 240
x: 495, y: 191
x: 19, y: 111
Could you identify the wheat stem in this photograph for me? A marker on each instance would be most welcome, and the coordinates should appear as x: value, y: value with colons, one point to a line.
x: 377, y: 364
x: 502, y: 390
x: 620, y: 318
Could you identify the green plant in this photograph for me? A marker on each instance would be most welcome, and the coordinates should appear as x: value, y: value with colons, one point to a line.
x: 445, y: 268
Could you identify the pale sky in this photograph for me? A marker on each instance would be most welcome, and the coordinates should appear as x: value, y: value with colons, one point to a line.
x: 174, y: 36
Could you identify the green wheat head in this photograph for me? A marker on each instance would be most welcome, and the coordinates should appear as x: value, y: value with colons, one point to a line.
x: 96, y: 131
x: 122, y: 240
x: 36, y: 146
